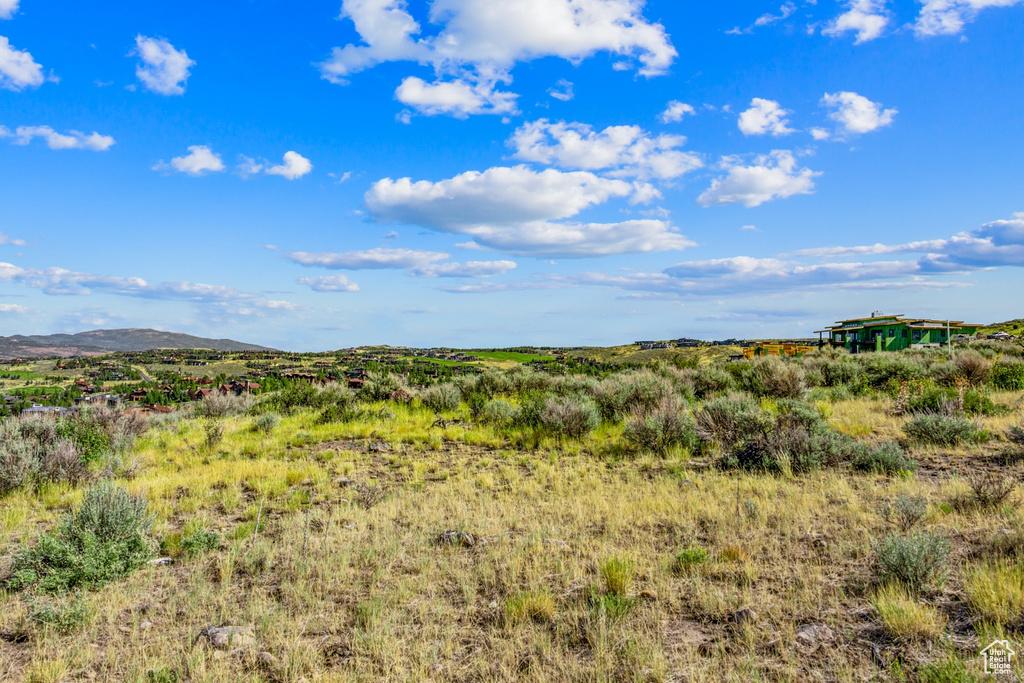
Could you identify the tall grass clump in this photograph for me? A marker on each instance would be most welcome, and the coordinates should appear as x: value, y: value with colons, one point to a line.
x: 905, y: 618
x: 441, y: 398
x: 996, y: 592
x: 618, y: 575
x: 661, y: 428
x: 570, y: 417
x: 943, y: 430
x: 918, y: 562
x: 105, y: 538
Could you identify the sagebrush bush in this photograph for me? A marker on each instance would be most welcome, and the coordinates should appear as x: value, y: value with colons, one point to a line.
x: 773, y: 377
x: 943, y: 430
x: 988, y: 490
x: 918, y: 562
x: 905, y: 512
x: 105, y: 538
x: 888, y: 369
x: 33, y: 452
x: 224, y: 405
x: 442, y: 398
x: 380, y: 386
x: 888, y: 458
x: 302, y: 395
x: 571, y: 417
x: 498, y: 412
x: 493, y: 382
x: 709, y: 380
x: 973, y: 367
x: 62, y: 614
x: 730, y: 420
x: 661, y: 428
x: 267, y: 423
x: 618, y: 395
x: 837, y: 373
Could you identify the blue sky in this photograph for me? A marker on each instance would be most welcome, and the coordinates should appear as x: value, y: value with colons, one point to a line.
x: 476, y: 173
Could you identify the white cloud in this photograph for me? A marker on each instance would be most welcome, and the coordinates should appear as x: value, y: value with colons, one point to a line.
x: 248, y: 167
x: 369, y: 258
x: 8, y: 8
x: 458, y: 98
x: 200, y: 160
x: 295, y: 166
x: 857, y: 114
x: 162, y: 68
x: 10, y: 241
x: 479, y: 43
x: 421, y: 263
x: 868, y: 18
x: 17, y: 68
x: 562, y: 90
x: 515, y: 209
x: 764, y: 116
x: 785, y: 12
x: 329, y: 283
x: 773, y: 176
x: 675, y: 111
x: 948, y: 17
x: 54, y: 140
x: 820, y: 134
x: 628, y: 151
x: 13, y: 308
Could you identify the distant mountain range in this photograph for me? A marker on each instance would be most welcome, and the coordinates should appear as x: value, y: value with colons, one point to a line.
x: 97, y: 342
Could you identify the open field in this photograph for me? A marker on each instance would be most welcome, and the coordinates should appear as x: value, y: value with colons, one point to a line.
x: 478, y: 536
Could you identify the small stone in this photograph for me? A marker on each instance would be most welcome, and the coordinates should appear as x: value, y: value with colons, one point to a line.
x: 268, y: 660
x: 224, y: 637
x: 812, y: 634
x: 343, y: 482
x: 458, y: 538
x: 555, y: 542
x: 162, y: 561
x: 379, y: 447
x: 744, y: 616
x: 146, y: 624
x: 648, y: 595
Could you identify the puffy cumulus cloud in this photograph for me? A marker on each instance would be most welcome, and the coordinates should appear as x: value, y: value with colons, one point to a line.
x: 479, y: 42
x: 8, y: 8
x: 162, y: 68
x: 416, y: 262
x: 199, y: 161
x: 71, y: 140
x: 17, y: 68
x: 295, y: 166
x: 948, y: 17
x: 856, y: 114
x: 675, y: 111
x: 515, y: 210
x: 329, y: 283
x: 772, y: 176
x: 457, y: 98
x: 562, y: 90
x: 867, y: 18
x: 626, y: 151
x: 764, y: 116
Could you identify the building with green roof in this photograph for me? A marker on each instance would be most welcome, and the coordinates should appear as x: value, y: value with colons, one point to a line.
x: 892, y: 333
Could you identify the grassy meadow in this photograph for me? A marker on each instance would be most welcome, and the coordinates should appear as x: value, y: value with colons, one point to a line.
x: 830, y: 518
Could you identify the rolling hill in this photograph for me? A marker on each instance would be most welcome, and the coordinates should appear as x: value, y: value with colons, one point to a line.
x: 105, y: 341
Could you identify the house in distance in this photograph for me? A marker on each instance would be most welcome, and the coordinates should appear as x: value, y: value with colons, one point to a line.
x: 892, y: 333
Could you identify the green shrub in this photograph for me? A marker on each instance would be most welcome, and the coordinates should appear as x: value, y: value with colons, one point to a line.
x: 918, y: 562
x: 224, y: 405
x: 498, y: 412
x: 32, y: 452
x: 619, y: 395
x: 267, y: 423
x: 905, y: 512
x: 1008, y: 374
x: 774, y: 378
x: 301, y: 395
x: 889, y: 369
x: 442, y: 398
x: 727, y: 421
x: 660, y: 429
x: 62, y: 614
x: 838, y: 373
x: 198, y: 541
x: 571, y: 417
x: 888, y: 458
x: 379, y: 386
x: 105, y: 538
x: 933, y: 399
x: 610, y: 606
x: 709, y: 380
x: 943, y: 430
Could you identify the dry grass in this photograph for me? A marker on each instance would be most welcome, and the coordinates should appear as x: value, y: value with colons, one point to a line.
x: 573, y: 575
x: 996, y: 592
x: 904, y: 617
